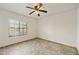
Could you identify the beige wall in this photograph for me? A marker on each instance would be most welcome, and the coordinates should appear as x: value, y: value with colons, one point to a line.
x: 7, y: 15
x: 78, y: 28
x: 60, y: 28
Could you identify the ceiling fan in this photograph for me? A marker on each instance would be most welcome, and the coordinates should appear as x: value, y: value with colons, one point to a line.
x: 37, y: 8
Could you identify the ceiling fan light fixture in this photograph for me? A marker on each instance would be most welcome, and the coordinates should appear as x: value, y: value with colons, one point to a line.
x: 37, y: 9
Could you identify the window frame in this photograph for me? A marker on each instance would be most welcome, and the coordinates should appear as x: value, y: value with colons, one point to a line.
x: 18, y: 28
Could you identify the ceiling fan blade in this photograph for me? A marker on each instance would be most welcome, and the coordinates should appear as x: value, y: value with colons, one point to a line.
x: 29, y: 7
x: 31, y: 12
x: 43, y: 11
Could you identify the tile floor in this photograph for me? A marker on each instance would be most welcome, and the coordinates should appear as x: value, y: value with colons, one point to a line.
x: 38, y: 47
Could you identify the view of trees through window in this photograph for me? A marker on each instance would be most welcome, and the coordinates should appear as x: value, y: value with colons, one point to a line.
x: 17, y: 28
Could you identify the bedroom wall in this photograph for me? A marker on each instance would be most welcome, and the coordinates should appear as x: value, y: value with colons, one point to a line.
x: 77, y: 28
x: 7, y: 15
x: 59, y: 28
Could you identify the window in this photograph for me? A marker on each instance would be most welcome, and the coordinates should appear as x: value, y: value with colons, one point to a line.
x: 17, y: 28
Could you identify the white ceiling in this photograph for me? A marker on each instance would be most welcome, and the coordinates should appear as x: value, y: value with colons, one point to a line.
x: 52, y: 8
